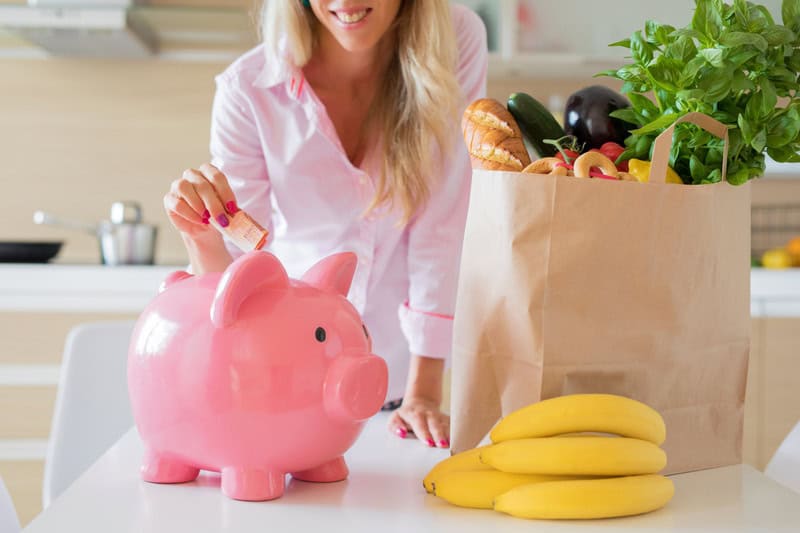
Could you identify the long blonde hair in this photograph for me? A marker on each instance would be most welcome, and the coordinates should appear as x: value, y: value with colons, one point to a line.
x: 417, y: 107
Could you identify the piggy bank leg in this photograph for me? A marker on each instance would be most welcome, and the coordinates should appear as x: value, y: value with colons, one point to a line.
x: 335, y: 470
x: 251, y: 484
x: 156, y: 468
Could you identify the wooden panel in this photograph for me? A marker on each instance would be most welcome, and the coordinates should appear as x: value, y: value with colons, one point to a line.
x: 781, y: 381
x: 26, y: 411
x: 24, y: 481
x: 38, y: 338
x: 78, y: 135
x: 754, y: 400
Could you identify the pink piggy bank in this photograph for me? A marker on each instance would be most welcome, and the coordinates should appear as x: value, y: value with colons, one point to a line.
x: 253, y: 375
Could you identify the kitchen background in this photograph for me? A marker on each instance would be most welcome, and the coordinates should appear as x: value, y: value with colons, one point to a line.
x: 77, y: 134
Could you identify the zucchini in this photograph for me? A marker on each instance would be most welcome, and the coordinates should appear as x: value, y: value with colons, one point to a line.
x: 536, y: 123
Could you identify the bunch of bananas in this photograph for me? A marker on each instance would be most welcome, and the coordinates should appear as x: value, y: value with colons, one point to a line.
x: 548, y: 462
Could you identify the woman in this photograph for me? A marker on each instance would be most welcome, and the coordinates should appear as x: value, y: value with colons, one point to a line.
x: 340, y: 133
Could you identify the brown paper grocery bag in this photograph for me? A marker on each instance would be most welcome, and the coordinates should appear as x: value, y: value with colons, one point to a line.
x: 571, y: 285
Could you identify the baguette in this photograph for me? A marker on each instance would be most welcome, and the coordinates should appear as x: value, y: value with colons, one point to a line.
x: 493, y: 137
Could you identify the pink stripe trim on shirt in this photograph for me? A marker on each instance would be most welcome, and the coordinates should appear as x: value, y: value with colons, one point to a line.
x: 428, y: 313
x: 300, y: 87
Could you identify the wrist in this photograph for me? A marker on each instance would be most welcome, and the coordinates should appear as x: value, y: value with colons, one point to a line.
x: 425, y: 380
x: 207, y: 252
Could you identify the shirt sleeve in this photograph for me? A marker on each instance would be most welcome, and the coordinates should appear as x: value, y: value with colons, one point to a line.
x: 435, y: 235
x: 236, y: 150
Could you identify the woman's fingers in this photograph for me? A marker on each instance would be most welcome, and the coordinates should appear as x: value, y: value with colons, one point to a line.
x: 397, y: 425
x: 419, y: 425
x: 208, y: 194
x: 184, y: 190
x: 221, y: 185
x: 181, y: 207
x: 439, y: 426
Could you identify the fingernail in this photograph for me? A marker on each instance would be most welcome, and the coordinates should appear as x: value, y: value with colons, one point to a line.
x: 431, y: 443
x: 231, y: 207
x: 223, y: 221
x: 401, y: 433
x: 206, y: 221
x: 443, y: 443
x: 206, y: 214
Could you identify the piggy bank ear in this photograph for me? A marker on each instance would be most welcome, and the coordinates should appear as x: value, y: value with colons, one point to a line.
x: 252, y: 272
x: 334, y: 273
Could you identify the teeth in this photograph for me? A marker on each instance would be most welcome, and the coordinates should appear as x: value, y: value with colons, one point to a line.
x: 351, y: 18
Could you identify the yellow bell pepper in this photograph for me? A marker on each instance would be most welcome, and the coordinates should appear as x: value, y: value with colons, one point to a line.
x: 641, y: 171
x: 776, y: 258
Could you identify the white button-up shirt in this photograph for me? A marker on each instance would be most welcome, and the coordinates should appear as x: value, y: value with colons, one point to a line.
x: 273, y: 139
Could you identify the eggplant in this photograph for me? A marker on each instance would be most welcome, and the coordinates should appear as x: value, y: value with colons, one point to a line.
x: 586, y: 116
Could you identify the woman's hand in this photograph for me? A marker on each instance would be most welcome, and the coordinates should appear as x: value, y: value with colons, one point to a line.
x: 190, y: 203
x: 197, y: 196
x: 424, y: 419
x: 420, y: 413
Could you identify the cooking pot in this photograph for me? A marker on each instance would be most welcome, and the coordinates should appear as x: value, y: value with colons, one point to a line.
x: 123, y: 240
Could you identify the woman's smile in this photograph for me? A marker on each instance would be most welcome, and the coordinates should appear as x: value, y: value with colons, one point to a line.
x: 351, y: 16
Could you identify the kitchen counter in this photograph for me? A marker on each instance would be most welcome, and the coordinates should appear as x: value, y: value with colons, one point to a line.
x: 96, y: 288
x: 384, y: 493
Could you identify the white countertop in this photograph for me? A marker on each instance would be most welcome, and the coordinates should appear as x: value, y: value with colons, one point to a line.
x: 127, y: 289
x: 384, y: 493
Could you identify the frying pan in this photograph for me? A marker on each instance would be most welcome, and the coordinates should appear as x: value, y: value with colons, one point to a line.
x: 28, y: 252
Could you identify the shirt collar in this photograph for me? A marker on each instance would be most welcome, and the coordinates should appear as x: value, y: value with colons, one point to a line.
x: 279, y: 70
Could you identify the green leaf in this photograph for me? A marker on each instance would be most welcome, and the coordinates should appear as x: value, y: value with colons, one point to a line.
x: 624, y: 43
x: 707, y: 20
x: 790, y: 12
x: 741, y: 12
x: 657, y: 33
x: 739, y: 177
x: 759, y: 141
x: 778, y: 35
x: 657, y: 125
x: 741, y: 83
x: 697, y: 169
x: 629, y: 115
x: 785, y: 154
x: 643, y: 104
x: 740, y: 38
x: 715, y: 56
x: 746, y: 129
x: 641, y: 50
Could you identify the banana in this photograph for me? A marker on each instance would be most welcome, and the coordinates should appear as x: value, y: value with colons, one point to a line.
x: 602, y: 413
x: 478, y: 488
x: 589, y: 456
x: 466, y: 460
x: 582, y: 499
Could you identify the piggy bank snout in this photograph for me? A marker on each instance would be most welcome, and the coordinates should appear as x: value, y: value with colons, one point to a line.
x: 355, y: 387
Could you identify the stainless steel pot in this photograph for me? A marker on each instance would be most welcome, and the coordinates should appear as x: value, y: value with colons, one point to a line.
x: 123, y: 240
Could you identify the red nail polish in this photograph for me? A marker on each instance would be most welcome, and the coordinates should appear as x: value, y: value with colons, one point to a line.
x: 206, y: 214
x: 401, y: 433
x: 443, y: 443
x: 232, y: 208
x: 223, y: 221
x: 431, y: 443
x: 206, y: 221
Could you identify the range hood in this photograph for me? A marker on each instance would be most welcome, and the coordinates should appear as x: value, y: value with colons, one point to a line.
x: 128, y: 28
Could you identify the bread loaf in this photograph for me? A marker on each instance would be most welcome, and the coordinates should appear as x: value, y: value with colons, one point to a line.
x: 493, y: 137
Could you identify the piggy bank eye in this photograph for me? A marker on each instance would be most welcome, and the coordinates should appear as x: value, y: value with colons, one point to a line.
x: 320, y: 334
x: 366, y: 333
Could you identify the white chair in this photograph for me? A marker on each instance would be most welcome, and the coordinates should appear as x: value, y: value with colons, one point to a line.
x: 92, y: 409
x: 784, y: 467
x: 9, y: 523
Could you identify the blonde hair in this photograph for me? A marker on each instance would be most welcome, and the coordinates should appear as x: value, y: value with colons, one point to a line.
x: 417, y: 107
